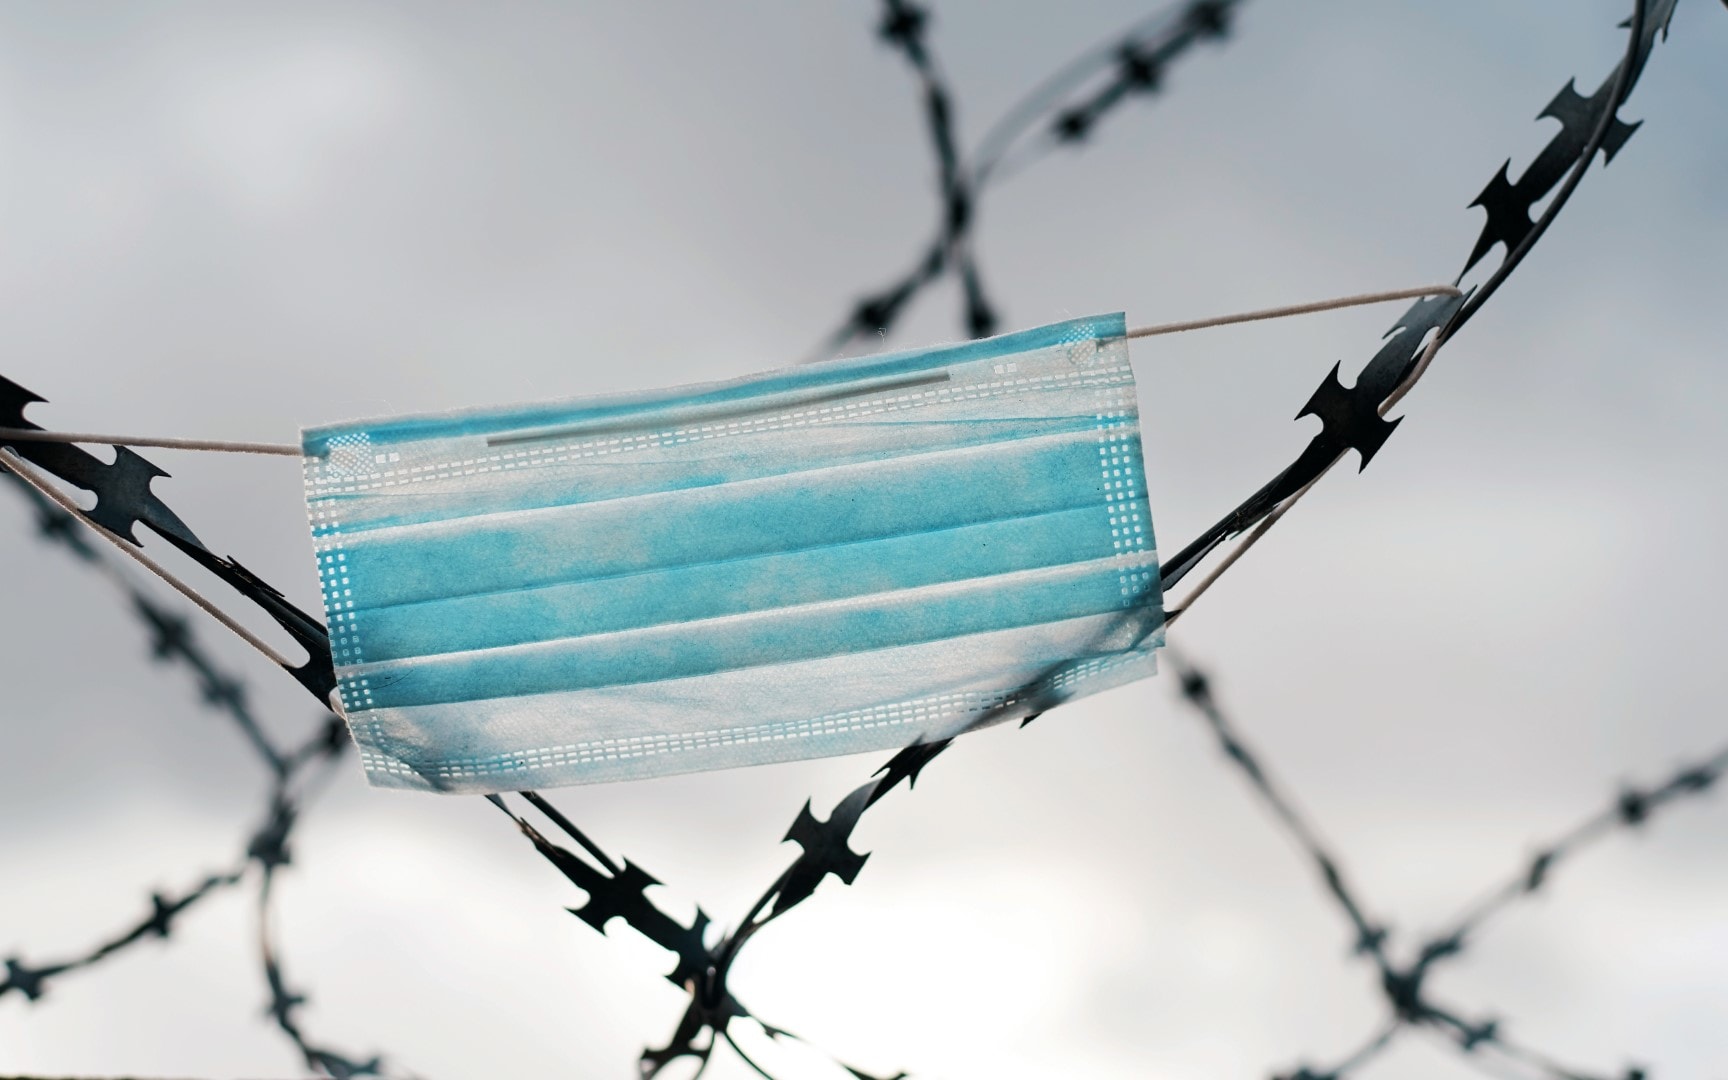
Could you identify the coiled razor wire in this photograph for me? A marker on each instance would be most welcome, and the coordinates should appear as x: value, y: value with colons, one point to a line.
x: 1065, y: 109
x: 295, y: 772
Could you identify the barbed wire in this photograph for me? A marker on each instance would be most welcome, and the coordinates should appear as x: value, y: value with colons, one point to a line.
x: 295, y: 771
x: 1351, y: 419
x: 1063, y: 110
x: 124, y: 499
x: 1405, y: 985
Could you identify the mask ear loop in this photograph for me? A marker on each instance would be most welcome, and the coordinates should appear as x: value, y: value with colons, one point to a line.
x: 43, y: 486
x: 27, y: 473
x: 223, y: 446
x: 1333, y: 304
x: 1416, y: 372
x: 217, y: 445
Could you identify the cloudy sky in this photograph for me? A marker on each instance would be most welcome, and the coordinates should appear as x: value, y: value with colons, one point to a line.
x: 233, y: 220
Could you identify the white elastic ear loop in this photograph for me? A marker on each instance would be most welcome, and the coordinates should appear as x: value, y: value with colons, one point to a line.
x: 29, y: 475
x: 1421, y: 367
x: 1296, y: 309
x: 35, y: 480
x: 226, y: 446
x: 223, y: 446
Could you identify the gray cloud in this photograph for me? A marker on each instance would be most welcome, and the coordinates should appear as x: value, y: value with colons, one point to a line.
x: 233, y: 221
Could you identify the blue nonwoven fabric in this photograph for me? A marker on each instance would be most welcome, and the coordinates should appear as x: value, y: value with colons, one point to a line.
x: 852, y: 555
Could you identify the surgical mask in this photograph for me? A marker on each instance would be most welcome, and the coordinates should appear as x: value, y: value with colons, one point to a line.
x: 853, y: 555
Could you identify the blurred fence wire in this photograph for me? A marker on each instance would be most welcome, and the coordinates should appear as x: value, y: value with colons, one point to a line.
x: 293, y: 773
x: 1404, y: 984
x: 1063, y: 110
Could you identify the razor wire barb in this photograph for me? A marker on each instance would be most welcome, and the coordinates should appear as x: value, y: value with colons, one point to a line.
x: 1404, y: 984
x: 1064, y: 109
x: 124, y: 499
x: 295, y: 770
x: 1351, y: 418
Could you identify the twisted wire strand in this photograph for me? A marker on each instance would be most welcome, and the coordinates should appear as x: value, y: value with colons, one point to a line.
x: 1349, y: 416
x: 296, y: 772
x: 1404, y: 985
x: 1132, y: 62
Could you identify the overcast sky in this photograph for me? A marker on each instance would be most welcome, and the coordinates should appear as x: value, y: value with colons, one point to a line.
x: 233, y: 220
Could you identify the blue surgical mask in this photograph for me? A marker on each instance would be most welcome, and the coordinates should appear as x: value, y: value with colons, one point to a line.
x: 853, y: 555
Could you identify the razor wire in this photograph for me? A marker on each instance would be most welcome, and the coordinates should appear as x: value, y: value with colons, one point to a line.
x: 124, y: 499
x: 1352, y: 419
x: 1063, y: 110
x: 1404, y: 985
x: 295, y: 772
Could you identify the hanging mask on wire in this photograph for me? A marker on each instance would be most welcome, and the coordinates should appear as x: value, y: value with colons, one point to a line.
x: 855, y: 555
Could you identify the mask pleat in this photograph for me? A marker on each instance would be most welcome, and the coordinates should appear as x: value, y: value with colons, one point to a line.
x: 915, y: 693
x: 682, y: 650
x: 815, y: 507
x: 733, y: 586
x: 569, y: 476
